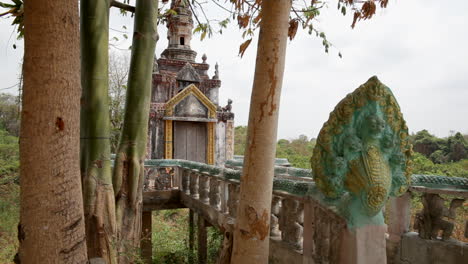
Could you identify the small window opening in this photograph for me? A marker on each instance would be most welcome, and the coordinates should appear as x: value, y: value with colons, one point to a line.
x: 182, y: 41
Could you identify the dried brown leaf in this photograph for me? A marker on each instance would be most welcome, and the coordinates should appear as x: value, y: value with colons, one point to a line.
x: 368, y: 9
x: 243, y: 20
x: 383, y: 3
x: 356, y: 17
x: 243, y: 47
x: 292, y: 30
x: 257, y: 18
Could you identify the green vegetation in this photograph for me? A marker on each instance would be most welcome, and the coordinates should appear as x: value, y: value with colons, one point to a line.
x: 441, y: 150
x: 170, y: 238
x: 240, y: 139
x: 9, y: 114
x: 423, y: 165
x: 298, y: 151
x: 9, y: 195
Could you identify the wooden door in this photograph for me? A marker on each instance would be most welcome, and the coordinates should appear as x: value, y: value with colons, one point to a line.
x: 190, y: 141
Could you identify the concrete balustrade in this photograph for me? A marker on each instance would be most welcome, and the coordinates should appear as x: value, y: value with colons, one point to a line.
x: 303, y: 229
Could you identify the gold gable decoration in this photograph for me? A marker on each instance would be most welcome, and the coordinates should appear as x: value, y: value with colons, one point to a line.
x: 191, y: 89
x: 169, y: 111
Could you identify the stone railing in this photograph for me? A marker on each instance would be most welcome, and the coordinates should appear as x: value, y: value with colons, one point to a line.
x: 304, y: 228
x: 440, y: 201
x: 213, y: 192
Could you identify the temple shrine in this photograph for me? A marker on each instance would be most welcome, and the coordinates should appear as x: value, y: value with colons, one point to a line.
x: 186, y: 120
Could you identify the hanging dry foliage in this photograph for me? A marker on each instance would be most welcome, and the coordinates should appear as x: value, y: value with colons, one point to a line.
x: 356, y: 17
x: 243, y: 47
x: 243, y: 20
x: 368, y: 9
x: 292, y: 30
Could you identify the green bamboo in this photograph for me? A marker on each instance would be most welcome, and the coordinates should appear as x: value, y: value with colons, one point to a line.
x: 129, y: 171
x: 98, y: 194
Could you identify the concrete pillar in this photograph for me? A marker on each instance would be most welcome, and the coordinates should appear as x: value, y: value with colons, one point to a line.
x: 202, y: 241
x: 399, y: 219
x: 399, y: 216
x: 364, y: 245
x: 146, y: 244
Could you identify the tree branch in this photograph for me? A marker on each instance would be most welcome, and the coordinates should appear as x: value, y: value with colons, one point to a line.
x: 129, y: 8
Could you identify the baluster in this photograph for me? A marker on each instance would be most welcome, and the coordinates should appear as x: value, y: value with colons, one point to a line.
x: 285, y: 220
x: 291, y: 219
x: 194, y: 184
x: 215, y: 193
x: 308, y: 243
x: 233, y: 199
x: 275, y: 210
x: 224, y: 196
x: 204, y: 188
x: 185, y: 181
x: 299, y: 232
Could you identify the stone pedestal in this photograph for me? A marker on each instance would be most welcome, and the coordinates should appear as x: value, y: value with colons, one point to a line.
x: 364, y: 245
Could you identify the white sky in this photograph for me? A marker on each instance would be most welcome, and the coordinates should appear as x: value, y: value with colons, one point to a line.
x: 418, y: 48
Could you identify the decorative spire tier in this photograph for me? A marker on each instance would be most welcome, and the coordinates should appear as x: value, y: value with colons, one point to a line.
x: 179, y: 33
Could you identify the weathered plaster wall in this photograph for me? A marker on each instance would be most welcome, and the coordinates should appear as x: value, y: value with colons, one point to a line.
x: 220, y: 143
x: 158, y: 139
x: 229, y: 139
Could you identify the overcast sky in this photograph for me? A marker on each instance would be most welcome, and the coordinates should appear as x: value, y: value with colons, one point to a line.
x: 418, y: 48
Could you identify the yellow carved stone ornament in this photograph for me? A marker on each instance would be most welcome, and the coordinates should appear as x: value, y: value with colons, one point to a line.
x: 169, y: 112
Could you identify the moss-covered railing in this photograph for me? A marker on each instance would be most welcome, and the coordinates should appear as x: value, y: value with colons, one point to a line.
x: 297, y: 181
x: 288, y: 179
x: 297, y: 207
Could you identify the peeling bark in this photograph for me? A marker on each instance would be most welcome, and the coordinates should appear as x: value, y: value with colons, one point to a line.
x: 251, y: 236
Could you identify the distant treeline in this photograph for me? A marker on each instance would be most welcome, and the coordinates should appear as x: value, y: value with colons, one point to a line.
x: 441, y: 150
x: 433, y: 155
x: 298, y: 151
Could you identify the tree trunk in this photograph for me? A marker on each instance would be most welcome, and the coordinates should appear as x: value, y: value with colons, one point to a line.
x: 128, y: 173
x: 98, y: 194
x: 52, y: 228
x: 252, y: 232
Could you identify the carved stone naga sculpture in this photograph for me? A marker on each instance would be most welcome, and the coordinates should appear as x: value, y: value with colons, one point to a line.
x: 430, y: 220
x: 362, y: 154
x: 228, y: 107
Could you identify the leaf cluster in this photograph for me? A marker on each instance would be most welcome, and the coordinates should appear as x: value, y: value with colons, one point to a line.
x: 304, y: 14
x: 15, y: 10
